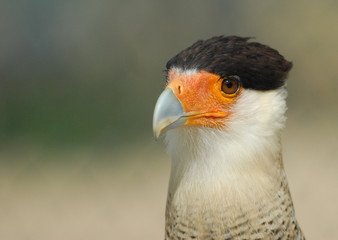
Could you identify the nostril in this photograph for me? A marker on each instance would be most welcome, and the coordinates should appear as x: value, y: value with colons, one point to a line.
x: 179, y: 89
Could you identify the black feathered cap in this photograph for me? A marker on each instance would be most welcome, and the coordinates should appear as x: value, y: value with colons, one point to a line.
x: 258, y: 66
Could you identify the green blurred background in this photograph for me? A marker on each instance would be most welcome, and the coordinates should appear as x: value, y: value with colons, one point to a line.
x: 78, y: 83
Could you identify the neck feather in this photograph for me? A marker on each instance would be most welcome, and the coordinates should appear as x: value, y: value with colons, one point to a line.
x: 239, y: 162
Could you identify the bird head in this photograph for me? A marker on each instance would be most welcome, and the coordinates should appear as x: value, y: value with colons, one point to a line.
x: 206, y: 81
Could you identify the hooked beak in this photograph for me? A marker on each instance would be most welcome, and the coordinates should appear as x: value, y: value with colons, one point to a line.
x: 192, y: 100
x: 168, y: 113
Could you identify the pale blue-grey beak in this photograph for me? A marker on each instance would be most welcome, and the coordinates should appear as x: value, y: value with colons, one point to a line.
x: 168, y: 113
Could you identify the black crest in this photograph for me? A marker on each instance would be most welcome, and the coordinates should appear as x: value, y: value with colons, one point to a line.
x: 258, y: 66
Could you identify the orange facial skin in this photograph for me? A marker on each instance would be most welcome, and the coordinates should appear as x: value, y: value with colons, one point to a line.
x: 202, y: 98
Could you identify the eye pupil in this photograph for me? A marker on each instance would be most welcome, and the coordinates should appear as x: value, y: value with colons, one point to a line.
x: 231, y: 85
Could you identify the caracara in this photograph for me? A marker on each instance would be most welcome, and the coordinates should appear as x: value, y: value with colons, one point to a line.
x: 221, y: 114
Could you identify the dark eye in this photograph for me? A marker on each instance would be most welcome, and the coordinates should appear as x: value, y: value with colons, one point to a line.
x: 230, y: 85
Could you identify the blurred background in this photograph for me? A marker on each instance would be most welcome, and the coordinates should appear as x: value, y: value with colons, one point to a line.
x: 78, y: 84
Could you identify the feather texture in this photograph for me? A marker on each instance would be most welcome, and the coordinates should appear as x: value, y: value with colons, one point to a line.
x: 259, y: 66
x: 229, y: 183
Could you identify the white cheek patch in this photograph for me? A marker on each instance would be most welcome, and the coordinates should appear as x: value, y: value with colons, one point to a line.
x: 259, y: 112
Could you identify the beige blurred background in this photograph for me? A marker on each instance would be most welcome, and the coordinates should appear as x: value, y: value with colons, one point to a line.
x: 78, y: 83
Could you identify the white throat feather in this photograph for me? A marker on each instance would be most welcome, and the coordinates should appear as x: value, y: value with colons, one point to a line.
x: 222, y: 162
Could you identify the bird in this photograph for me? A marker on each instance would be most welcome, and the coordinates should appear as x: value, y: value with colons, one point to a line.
x: 221, y: 115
